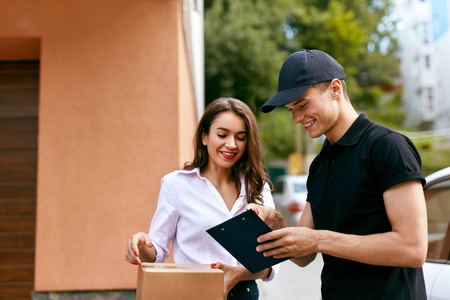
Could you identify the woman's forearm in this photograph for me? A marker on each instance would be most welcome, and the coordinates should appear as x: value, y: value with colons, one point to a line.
x: 304, y: 260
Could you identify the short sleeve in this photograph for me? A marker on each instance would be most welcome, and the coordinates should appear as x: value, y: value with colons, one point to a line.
x: 267, y: 196
x: 395, y: 159
x: 268, y: 201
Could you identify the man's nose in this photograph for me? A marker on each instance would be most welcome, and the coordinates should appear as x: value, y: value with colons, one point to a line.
x: 297, y: 117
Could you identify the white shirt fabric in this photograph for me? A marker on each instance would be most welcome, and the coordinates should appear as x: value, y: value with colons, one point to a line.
x: 188, y: 205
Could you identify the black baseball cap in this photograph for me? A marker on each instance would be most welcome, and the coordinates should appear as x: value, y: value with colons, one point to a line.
x: 301, y: 70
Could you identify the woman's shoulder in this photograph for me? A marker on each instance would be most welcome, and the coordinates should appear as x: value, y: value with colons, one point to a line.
x: 179, y: 175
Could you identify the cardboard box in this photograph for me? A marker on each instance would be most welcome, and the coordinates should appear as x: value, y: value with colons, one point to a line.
x: 164, y: 281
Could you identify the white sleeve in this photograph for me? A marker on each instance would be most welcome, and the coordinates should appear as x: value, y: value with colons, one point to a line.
x: 164, y: 222
x: 267, y: 196
x: 268, y: 201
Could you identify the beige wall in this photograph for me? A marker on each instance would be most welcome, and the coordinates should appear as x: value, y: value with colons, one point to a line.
x: 187, y: 107
x: 116, y: 113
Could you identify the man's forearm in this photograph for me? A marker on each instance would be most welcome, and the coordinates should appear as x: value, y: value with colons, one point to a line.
x: 388, y: 249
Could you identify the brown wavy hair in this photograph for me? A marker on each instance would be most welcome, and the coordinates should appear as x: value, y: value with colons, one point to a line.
x: 250, y: 163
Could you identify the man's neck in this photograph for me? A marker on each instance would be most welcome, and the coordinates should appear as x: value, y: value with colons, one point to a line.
x: 345, y: 121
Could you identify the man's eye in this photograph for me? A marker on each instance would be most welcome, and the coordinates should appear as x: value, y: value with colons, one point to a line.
x: 221, y: 135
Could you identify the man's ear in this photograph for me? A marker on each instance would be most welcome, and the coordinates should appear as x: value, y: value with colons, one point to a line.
x: 336, y: 87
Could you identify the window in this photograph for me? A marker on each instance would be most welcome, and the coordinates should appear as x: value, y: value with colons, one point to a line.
x: 427, y: 62
x: 418, y: 98
x: 425, y: 98
x: 300, y: 187
x: 430, y: 102
x: 415, y: 68
x: 422, y: 32
x: 438, y: 209
x: 278, y: 187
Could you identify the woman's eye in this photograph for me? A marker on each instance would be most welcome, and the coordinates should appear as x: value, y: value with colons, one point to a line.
x: 241, y: 138
x: 221, y: 135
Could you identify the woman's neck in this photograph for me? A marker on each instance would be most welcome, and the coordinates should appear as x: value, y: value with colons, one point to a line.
x: 218, y: 176
x: 224, y: 182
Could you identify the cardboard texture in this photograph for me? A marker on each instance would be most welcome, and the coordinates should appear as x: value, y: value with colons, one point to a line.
x: 165, y: 281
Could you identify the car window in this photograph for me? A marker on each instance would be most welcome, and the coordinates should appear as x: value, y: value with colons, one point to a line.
x: 438, y: 210
x: 278, y: 187
x: 300, y: 188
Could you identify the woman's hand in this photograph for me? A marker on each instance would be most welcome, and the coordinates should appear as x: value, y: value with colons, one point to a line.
x: 231, y: 276
x: 135, y: 253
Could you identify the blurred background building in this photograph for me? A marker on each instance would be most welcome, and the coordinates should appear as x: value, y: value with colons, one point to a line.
x: 424, y: 40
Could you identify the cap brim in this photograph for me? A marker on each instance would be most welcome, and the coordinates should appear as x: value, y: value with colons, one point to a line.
x: 283, y: 97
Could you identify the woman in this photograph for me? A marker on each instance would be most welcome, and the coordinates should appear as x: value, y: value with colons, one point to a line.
x: 226, y: 174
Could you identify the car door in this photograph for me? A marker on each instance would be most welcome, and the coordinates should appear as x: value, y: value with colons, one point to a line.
x: 437, y: 267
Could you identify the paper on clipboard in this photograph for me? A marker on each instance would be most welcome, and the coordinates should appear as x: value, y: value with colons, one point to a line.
x: 238, y: 236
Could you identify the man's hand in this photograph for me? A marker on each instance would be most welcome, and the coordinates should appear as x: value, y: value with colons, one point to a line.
x: 288, y: 242
x: 269, y: 215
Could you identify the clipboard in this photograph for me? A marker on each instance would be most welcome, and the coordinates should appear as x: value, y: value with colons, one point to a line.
x: 238, y: 236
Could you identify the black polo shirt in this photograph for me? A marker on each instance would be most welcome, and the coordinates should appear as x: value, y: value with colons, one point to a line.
x: 346, y: 183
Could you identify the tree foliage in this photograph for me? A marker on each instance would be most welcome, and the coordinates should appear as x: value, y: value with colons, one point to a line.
x: 243, y: 54
x: 278, y: 133
x: 246, y: 42
x: 357, y: 33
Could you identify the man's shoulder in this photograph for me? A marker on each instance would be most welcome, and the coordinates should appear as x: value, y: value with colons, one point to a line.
x: 377, y: 132
x: 378, y: 129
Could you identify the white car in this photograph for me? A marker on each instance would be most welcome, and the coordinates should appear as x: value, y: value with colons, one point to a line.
x: 437, y: 267
x: 289, y: 196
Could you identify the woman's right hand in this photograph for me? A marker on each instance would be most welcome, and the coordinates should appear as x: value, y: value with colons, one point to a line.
x: 134, y: 249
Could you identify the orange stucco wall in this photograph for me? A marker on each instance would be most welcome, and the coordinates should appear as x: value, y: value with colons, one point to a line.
x: 116, y: 113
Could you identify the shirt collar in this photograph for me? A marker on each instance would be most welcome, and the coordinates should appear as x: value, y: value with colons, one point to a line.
x: 193, y: 171
x: 354, y: 133
x: 196, y: 171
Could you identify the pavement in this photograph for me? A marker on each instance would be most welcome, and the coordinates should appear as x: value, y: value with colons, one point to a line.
x: 293, y: 282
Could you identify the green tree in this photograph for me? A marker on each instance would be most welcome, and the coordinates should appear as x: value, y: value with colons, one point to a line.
x: 278, y: 133
x: 246, y: 42
x: 358, y: 33
x: 243, y: 49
